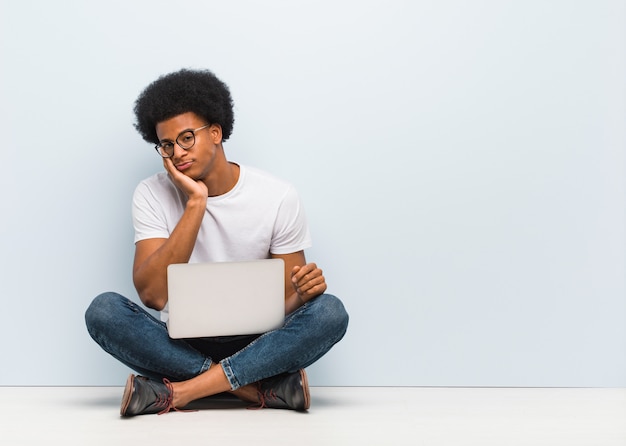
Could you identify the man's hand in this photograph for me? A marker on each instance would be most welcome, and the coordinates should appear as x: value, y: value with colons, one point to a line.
x: 193, y: 188
x: 308, y: 281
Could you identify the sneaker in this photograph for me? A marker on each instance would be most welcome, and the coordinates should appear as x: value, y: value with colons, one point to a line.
x: 285, y: 391
x: 144, y: 396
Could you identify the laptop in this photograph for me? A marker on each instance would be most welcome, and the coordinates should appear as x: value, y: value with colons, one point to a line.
x: 225, y: 298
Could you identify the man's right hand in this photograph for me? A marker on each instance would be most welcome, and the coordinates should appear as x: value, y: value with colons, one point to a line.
x: 193, y: 188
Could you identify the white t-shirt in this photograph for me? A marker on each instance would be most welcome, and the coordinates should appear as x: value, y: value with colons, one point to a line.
x: 261, y: 215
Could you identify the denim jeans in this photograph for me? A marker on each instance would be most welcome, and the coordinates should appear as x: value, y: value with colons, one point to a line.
x: 134, y: 337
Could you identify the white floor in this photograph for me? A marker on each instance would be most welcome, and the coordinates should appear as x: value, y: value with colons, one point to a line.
x: 338, y: 416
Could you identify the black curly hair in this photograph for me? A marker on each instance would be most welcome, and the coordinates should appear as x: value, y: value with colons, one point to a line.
x: 186, y: 90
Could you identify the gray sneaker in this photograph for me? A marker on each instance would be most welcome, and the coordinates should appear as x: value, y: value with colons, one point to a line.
x: 144, y: 396
x: 285, y: 391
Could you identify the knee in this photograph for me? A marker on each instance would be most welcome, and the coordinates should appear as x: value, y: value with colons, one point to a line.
x: 102, y: 311
x: 335, y: 314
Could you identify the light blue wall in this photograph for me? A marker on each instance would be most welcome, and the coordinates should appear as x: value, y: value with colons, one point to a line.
x: 462, y: 164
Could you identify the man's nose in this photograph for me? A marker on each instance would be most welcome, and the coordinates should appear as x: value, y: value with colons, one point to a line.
x: 178, y: 150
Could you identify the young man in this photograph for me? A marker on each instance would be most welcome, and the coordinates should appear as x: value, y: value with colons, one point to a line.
x: 203, y: 208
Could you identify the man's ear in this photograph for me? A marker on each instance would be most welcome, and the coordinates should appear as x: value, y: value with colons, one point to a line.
x: 215, y: 132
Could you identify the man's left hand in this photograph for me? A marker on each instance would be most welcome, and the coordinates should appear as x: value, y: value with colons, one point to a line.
x: 308, y: 281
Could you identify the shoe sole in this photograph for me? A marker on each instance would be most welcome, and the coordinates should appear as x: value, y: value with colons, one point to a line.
x: 305, y: 387
x: 128, y: 393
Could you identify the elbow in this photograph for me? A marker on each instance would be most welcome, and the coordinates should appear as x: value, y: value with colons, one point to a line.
x: 151, y: 290
x: 151, y: 297
x: 153, y: 301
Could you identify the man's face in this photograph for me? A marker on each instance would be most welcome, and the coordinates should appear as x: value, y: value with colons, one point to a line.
x: 194, y: 144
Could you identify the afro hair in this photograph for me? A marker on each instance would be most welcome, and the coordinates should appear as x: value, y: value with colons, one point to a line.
x: 197, y: 91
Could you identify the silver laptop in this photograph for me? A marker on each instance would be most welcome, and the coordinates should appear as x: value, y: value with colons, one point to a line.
x: 225, y: 298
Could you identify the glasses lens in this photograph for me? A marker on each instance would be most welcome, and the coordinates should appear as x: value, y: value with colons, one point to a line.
x: 166, y: 150
x: 186, y: 140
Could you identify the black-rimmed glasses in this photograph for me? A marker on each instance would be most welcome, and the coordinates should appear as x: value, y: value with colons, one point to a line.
x: 185, y: 140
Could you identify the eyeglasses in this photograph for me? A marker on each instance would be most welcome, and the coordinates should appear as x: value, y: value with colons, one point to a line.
x: 185, y: 140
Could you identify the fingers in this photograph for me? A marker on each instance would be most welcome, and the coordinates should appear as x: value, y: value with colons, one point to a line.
x: 175, y: 174
x: 187, y: 184
x: 312, y: 289
x: 300, y: 274
x: 169, y: 165
x: 308, y: 281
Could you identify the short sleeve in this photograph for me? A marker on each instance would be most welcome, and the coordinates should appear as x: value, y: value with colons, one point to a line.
x: 149, y: 220
x: 291, y: 230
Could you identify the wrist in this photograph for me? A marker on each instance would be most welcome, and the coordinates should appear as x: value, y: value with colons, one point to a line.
x: 197, y: 201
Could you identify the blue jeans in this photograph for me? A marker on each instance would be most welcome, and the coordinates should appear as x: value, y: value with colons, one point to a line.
x: 134, y: 337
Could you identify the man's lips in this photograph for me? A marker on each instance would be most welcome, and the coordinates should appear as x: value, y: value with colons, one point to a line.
x: 183, y: 166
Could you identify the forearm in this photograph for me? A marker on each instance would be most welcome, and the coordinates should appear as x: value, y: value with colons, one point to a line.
x: 292, y: 303
x: 150, y: 272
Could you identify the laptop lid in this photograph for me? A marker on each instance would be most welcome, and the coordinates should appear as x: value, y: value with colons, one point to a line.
x: 225, y: 298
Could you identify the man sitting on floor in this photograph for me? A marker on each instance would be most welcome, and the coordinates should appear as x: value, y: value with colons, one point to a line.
x: 203, y: 208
